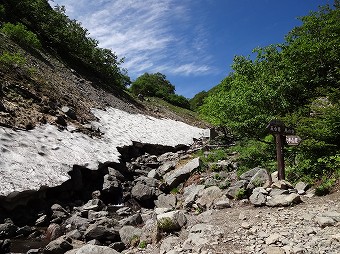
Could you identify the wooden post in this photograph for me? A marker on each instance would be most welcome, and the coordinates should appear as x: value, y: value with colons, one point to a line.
x: 280, y: 156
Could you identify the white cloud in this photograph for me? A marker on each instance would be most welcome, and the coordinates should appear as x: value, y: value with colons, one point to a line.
x: 152, y: 35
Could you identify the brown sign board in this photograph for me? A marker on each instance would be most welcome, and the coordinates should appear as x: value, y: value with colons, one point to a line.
x: 293, y: 140
x: 275, y: 127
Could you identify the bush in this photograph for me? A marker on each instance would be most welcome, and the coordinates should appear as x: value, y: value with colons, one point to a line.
x: 240, y: 194
x: 21, y: 35
x: 325, y: 187
x: 254, y: 153
x: 9, y: 59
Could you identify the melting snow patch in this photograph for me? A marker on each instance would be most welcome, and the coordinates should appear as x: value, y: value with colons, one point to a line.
x: 44, y: 156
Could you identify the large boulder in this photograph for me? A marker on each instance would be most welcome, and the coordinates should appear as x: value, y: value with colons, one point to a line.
x: 171, y: 221
x: 236, y: 187
x: 284, y: 200
x: 259, y: 179
x: 130, y: 235
x: 258, y: 197
x: 58, y: 246
x: 142, y: 192
x: 150, y: 232
x: 207, y: 197
x: 166, y: 201
x: 190, y: 194
x: 101, y: 233
x: 177, y: 176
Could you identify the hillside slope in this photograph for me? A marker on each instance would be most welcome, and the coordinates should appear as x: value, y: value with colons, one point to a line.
x: 35, y: 91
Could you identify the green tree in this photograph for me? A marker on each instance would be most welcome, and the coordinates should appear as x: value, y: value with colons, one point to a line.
x: 67, y: 38
x: 298, y: 82
x: 152, y: 85
x: 197, y: 100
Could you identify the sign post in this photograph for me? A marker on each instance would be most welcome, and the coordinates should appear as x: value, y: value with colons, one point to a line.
x: 282, y: 134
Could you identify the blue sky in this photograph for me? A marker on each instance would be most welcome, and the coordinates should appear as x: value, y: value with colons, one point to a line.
x: 192, y: 42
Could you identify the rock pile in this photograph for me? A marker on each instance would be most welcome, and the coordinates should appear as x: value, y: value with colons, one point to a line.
x: 167, y: 204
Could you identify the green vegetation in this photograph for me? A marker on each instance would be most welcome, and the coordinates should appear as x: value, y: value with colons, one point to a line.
x: 9, y: 59
x: 240, y: 194
x: 297, y: 82
x: 36, y: 21
x: 142, y: 244
x: 21, y: 35
x: 166, y: 224
x: 174, y: 191
x: 156, y: 85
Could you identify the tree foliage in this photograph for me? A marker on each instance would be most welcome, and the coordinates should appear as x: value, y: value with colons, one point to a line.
x: 57, y: 32
x: 157, y: 85
x: 297, y: 81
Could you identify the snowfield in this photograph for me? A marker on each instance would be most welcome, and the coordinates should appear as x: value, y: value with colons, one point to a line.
x: 44, y: 156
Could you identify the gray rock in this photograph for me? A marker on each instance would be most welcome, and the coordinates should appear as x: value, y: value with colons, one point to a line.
x: 133, y: 220
x: 77, y: 222
x: 259, y: 179
x: 53, y: 232
x: 150, y: 232
x: 142, y: 192
x: 222, y: 204
x: 166, y: 167
x: 200, y: 235
x: 116, y: 173
x: 276, y: 192
x: 130, y: 235
x: 101, y: 233
x: 325, y: 221
x: 118, y: 246
x: 274, y: 250
x: 70, y: 112
x: 154, y: 174
x: 42, y: 220
x: 58, y: 246
x: 171, y: 221
x: 93, y: 216
x: 208, y: 196
x: 272, y: 239
x: 190, y: 194
x: 284, y: 200
x: 166, y: 157
x: 332, y: 214
x: 168, y: 244
x: 94, y: 204
x: 249, y: 174
x: 111, y: 184
x: 235, y: 188
x: 166, y: 201
x: 124, y: 211
x: 258, y: 199
x: 177, y: 176
x: 282, y: 184
x: 93, y: 249
x: 301, y: 187
x: 74, y: 234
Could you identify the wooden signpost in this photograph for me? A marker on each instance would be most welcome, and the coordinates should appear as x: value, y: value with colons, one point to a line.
x: 282, y: 135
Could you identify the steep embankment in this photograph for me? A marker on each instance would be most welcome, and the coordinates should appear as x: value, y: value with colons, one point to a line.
x: 52, y: 119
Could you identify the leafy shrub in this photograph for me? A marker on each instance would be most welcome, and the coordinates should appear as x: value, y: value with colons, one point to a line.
x: 166, y: 224
x: 178, y: 100
x: 8, y: 59
x: 240, y: 194
x: 21, y: 35
x: 254, y: 153
x: 142, y: 244
x: 325, y: 187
